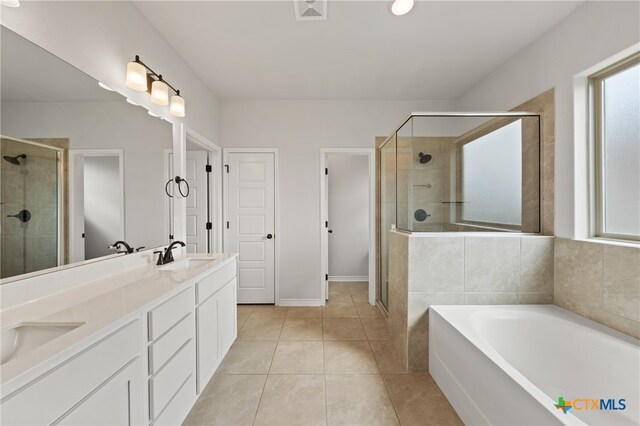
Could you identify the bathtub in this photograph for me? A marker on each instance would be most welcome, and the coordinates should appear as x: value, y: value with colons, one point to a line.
x: 508, y: 365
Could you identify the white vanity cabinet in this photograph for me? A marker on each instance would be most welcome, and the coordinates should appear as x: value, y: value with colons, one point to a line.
x: 172, y: 358
x: 215, y: 320
x: 100, y: 385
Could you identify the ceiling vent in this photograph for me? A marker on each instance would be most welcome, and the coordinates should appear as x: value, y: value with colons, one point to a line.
x: 310, y: 10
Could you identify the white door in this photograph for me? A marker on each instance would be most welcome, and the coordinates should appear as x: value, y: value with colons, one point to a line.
x: 326, y: 232
x: 250, y: 224
x: 76, y: 200
x: 197, y: 202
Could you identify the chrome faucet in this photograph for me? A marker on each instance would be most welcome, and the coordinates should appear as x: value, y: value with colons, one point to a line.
x: 121, y: 244
x: 167, y: 257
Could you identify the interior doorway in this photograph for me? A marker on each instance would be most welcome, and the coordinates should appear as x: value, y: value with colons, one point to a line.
x: 348, y: 218
x: 203, y: 203
x: 96, y: 201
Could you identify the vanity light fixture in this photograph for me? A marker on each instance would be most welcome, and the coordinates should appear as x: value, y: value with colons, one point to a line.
x: 105, y: 87
x: 401, y: 7
x: 143, y: 79
x: 10, y: 3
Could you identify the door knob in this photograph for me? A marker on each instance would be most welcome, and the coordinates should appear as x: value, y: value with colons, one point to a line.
x: 269, y: 236
x: 331, y: 231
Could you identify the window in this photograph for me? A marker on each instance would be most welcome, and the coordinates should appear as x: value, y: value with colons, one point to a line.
x: 615, y: 94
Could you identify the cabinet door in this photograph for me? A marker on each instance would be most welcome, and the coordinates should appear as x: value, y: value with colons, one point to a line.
x: 207, y: 339
x: 118, y: 401
x: 226, y: 317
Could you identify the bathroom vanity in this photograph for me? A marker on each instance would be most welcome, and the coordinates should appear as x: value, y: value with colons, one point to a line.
x: 136, y: 347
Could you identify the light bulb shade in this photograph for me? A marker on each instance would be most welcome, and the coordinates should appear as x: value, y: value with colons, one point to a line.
x: 136, y: 76
x: 10, y: 3
x: 159, y: 93
x: 177, y: 106
x: 401, y: 7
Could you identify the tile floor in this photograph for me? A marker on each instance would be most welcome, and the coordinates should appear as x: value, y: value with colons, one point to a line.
x: 329, y: 365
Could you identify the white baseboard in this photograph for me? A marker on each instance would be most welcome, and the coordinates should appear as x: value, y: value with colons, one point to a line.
x: 300, y: 302
x: 348, y: 279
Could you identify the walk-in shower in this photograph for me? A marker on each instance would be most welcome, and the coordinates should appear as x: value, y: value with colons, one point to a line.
x: 458, y: 172
x: 30, y: 206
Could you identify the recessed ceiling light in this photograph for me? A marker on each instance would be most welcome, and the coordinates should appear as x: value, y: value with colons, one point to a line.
x: 132, y: 103
x: 105, y: 87
x: 10, y: 3
x: 401, y: 7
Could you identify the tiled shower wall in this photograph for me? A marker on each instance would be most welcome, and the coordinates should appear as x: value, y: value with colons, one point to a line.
x: 32, y: 185
x: 599, y: 281
x: 461, y: 269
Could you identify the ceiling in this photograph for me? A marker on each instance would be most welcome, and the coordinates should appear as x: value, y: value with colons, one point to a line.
x: 258, y: 50
x: 31, y: 74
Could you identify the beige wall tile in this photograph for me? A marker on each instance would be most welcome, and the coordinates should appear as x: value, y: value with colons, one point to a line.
x: 487, y: 298
x: 536, y: 264
x: 535, y: 298
x: 398, y: 292
x: 492, y: 264
x: 622, y: 281
x: 578, y: 275
x: 436, y: 264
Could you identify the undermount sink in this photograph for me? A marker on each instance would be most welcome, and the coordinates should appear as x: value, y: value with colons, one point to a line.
x: 29, y: 335
x: 186, y: 264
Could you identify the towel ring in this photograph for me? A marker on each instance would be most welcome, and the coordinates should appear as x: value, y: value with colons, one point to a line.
x: 166, y: 188
x: 179, y: 180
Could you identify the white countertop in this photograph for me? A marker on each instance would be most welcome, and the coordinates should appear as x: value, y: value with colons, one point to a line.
x: 99, y: 304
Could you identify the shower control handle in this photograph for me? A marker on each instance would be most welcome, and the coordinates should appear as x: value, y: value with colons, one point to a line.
x: 269, y: 236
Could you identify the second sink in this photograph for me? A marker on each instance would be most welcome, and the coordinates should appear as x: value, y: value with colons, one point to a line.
x: 29, y: 335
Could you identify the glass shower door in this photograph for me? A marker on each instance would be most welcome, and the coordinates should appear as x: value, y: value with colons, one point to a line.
x: 30, y: 207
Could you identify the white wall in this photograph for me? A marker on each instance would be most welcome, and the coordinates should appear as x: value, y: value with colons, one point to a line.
x: 102, y: 205
x: 108, y: 125
x: 299, y: 129
x: 593, y: 33
x: 101, y: 37
x: 348, y: 216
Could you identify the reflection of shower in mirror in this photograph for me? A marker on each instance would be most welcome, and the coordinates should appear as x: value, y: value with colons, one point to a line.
x: 424, y: 158
x: 14, y: 159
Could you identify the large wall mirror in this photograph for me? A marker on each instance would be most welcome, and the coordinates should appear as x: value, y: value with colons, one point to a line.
x: 81, y: 167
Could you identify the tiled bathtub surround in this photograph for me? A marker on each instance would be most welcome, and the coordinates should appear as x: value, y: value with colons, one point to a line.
x: 460, y: 268
x: 599, y: 281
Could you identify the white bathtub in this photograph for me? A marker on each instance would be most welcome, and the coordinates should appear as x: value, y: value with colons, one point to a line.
x: 509, y: 364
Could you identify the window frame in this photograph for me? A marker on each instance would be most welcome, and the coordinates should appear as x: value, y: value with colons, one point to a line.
x: 596, y: 114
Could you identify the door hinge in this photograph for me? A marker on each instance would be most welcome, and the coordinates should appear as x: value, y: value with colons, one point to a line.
x: 226, y: 166
x: 326, y: 171
x: 326, y: 223
x: 170, y: 236
x: 83, y: 235
x: 227, y: 224
x: 326, y: 277
x: 209, y: 225
x: 208, y: 168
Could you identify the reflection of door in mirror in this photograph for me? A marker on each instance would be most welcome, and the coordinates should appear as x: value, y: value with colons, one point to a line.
x: 32, y: 208
x: 97, y: 202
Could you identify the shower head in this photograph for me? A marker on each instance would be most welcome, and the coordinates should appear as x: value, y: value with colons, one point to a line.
x: 14, y: 160
x: 424, y: 158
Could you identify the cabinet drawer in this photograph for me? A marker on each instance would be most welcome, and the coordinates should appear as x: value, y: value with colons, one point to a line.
x: 163, y: 349
x: 54, y: 393
x: 176, y: 411
x: 209, y: 285
x: 167, y: 381
x: 163, y: 317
